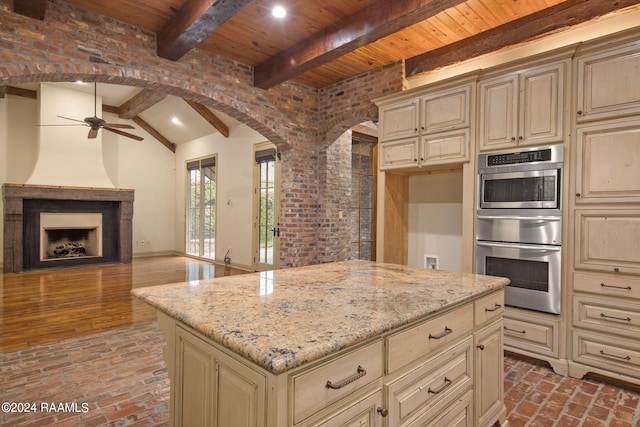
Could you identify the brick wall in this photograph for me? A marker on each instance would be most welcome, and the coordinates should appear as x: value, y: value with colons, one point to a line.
x: 74, y: 44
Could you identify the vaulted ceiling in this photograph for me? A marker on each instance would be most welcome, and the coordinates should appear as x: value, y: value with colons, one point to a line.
x: 320, y: 43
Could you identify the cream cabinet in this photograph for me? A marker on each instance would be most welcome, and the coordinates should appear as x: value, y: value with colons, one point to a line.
x: 443, y: 370
x: 428, y: 128
x: 399, y: 120
x: 525, y: 107
x: 608, y: 83
x: 608, y: 166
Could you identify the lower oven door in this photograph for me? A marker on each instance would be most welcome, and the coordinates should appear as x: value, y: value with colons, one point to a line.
x: 534, y: 271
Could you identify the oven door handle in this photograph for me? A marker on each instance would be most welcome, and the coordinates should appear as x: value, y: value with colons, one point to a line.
x: 540, y: 248
x: 519, y: 218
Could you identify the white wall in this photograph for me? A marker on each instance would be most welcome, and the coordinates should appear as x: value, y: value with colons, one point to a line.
x: 435, y: 219
x: 235, y: 191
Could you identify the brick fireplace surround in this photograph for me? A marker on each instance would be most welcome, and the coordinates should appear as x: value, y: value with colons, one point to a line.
x: 14, y: 196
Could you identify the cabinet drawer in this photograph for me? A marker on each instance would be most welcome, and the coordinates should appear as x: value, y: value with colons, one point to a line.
x: 459, y: 414
x: 422, y: 339
x: 362, y: 413
x: 531, y: 333
x: 613, y: 354
x: 607, y: 316
x: 607, y: 285
x: 423, y: 392
x: 489, y: 308
x: 332, y: 381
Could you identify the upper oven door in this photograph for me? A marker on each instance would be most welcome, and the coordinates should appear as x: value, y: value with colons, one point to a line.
x: 532, y: 189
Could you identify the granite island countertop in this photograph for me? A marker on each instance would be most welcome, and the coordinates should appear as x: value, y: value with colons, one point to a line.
x: 282, y: 319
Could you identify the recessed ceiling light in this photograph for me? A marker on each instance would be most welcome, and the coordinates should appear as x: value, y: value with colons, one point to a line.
x: 176, y: 121
x: 79, y: 82
x: 279, y: 12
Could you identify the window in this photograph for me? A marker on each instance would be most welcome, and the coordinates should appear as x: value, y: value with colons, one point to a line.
x: 266, y: 207
x: 201, y: 208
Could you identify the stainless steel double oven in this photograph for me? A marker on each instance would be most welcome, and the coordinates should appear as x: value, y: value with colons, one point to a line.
x: 519, y: 224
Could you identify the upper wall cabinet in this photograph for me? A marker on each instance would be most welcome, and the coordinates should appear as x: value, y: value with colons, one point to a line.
x: 608, y: 83
x: 430, y: 128
x: 399, y: 120
x: 523, y: 108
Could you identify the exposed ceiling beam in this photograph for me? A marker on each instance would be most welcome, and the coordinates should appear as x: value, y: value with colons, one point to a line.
x: 154, y: 133
x: 209, y: 116
x: 35, y: 9
x: 144, y: 125
x: 194, y: 22
x: 366, y: 26
x: 562, y: 15
x: 144, y: 100
x: 25, y: 93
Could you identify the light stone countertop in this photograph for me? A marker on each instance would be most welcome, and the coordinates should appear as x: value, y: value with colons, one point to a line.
x: 284, y: 318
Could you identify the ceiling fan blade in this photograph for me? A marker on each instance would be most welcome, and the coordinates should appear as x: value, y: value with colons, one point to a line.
x: 69, y: 118
x: 118, y: 125
x: 93, y: 132
x: 65, y: 125
x: 119, y: 132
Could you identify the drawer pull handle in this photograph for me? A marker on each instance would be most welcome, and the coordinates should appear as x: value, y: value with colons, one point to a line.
x: 604, y: 316
x: 515, y: 330
x: 626, y: 288
x: 604, y: 353
x: 495, y: 308
x: 446, y: 332
x: 382, y: 411
x: 443, y: 387
x: 359, y: 374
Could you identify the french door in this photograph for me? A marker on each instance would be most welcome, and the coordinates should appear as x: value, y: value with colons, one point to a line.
x: 201, y: 208
x: 266, y: 208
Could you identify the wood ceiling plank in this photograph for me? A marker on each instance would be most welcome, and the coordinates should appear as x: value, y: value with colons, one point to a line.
x: 370, y: 24
x: 562, y: 15
x: 144, y: 100
x: 194, y: 22
x: 35, y: 9
x: 209, y: 116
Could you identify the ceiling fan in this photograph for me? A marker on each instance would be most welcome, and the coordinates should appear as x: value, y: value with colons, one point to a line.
x: 96, y: 123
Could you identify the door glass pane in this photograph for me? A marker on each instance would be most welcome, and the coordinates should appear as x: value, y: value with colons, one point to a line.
x: 209, y: 212
x: 362, y: 194
x: 193, y: 220
x: 266, y: 214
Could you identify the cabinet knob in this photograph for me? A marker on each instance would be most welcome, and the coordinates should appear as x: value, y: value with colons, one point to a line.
x: 579, y: 112
x: 415, y: 160
x: 415, y: 129
x: 481, y: 346
x: 616, y: 269
x: 520, y: 138
x: 382, y: 411
x: 513, y: 138
x: 578, y: 195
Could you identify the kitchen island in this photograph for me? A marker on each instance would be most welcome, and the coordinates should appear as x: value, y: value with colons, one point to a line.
x: 346, y: 343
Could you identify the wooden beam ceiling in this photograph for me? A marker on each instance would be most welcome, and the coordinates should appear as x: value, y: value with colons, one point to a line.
x: 368, y: 25
x: 194, y: 22
x: 154, y: 133
x: 35, y: 9
x: 568, y: 13
x: 210, y: 117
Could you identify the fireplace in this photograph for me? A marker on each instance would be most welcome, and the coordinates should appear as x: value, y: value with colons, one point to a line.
x: 52, y: 227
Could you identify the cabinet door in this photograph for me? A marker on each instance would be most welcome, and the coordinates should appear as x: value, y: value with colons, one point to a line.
x: 446, y: 110
x: 194, y: 378
x: 542, y: 104
x: 362, y: 413
x: 489, y: 374
x: 399, y: 120
x: 608, y: 83
x: 400, y: 154
x: 445, y: 147
x: 608, y: 240
x: 608, y: 163
x: 498, y: 112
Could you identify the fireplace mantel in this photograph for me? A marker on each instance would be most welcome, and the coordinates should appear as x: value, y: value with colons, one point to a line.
x: 14, y: 196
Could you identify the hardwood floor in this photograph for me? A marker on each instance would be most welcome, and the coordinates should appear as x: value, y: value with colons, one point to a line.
x: 45, y: 306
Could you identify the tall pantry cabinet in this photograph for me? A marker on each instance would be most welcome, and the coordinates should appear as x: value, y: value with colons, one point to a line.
x: 605, y: 269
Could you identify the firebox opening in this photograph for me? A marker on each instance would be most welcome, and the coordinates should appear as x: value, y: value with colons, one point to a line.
x: 66, y: 236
